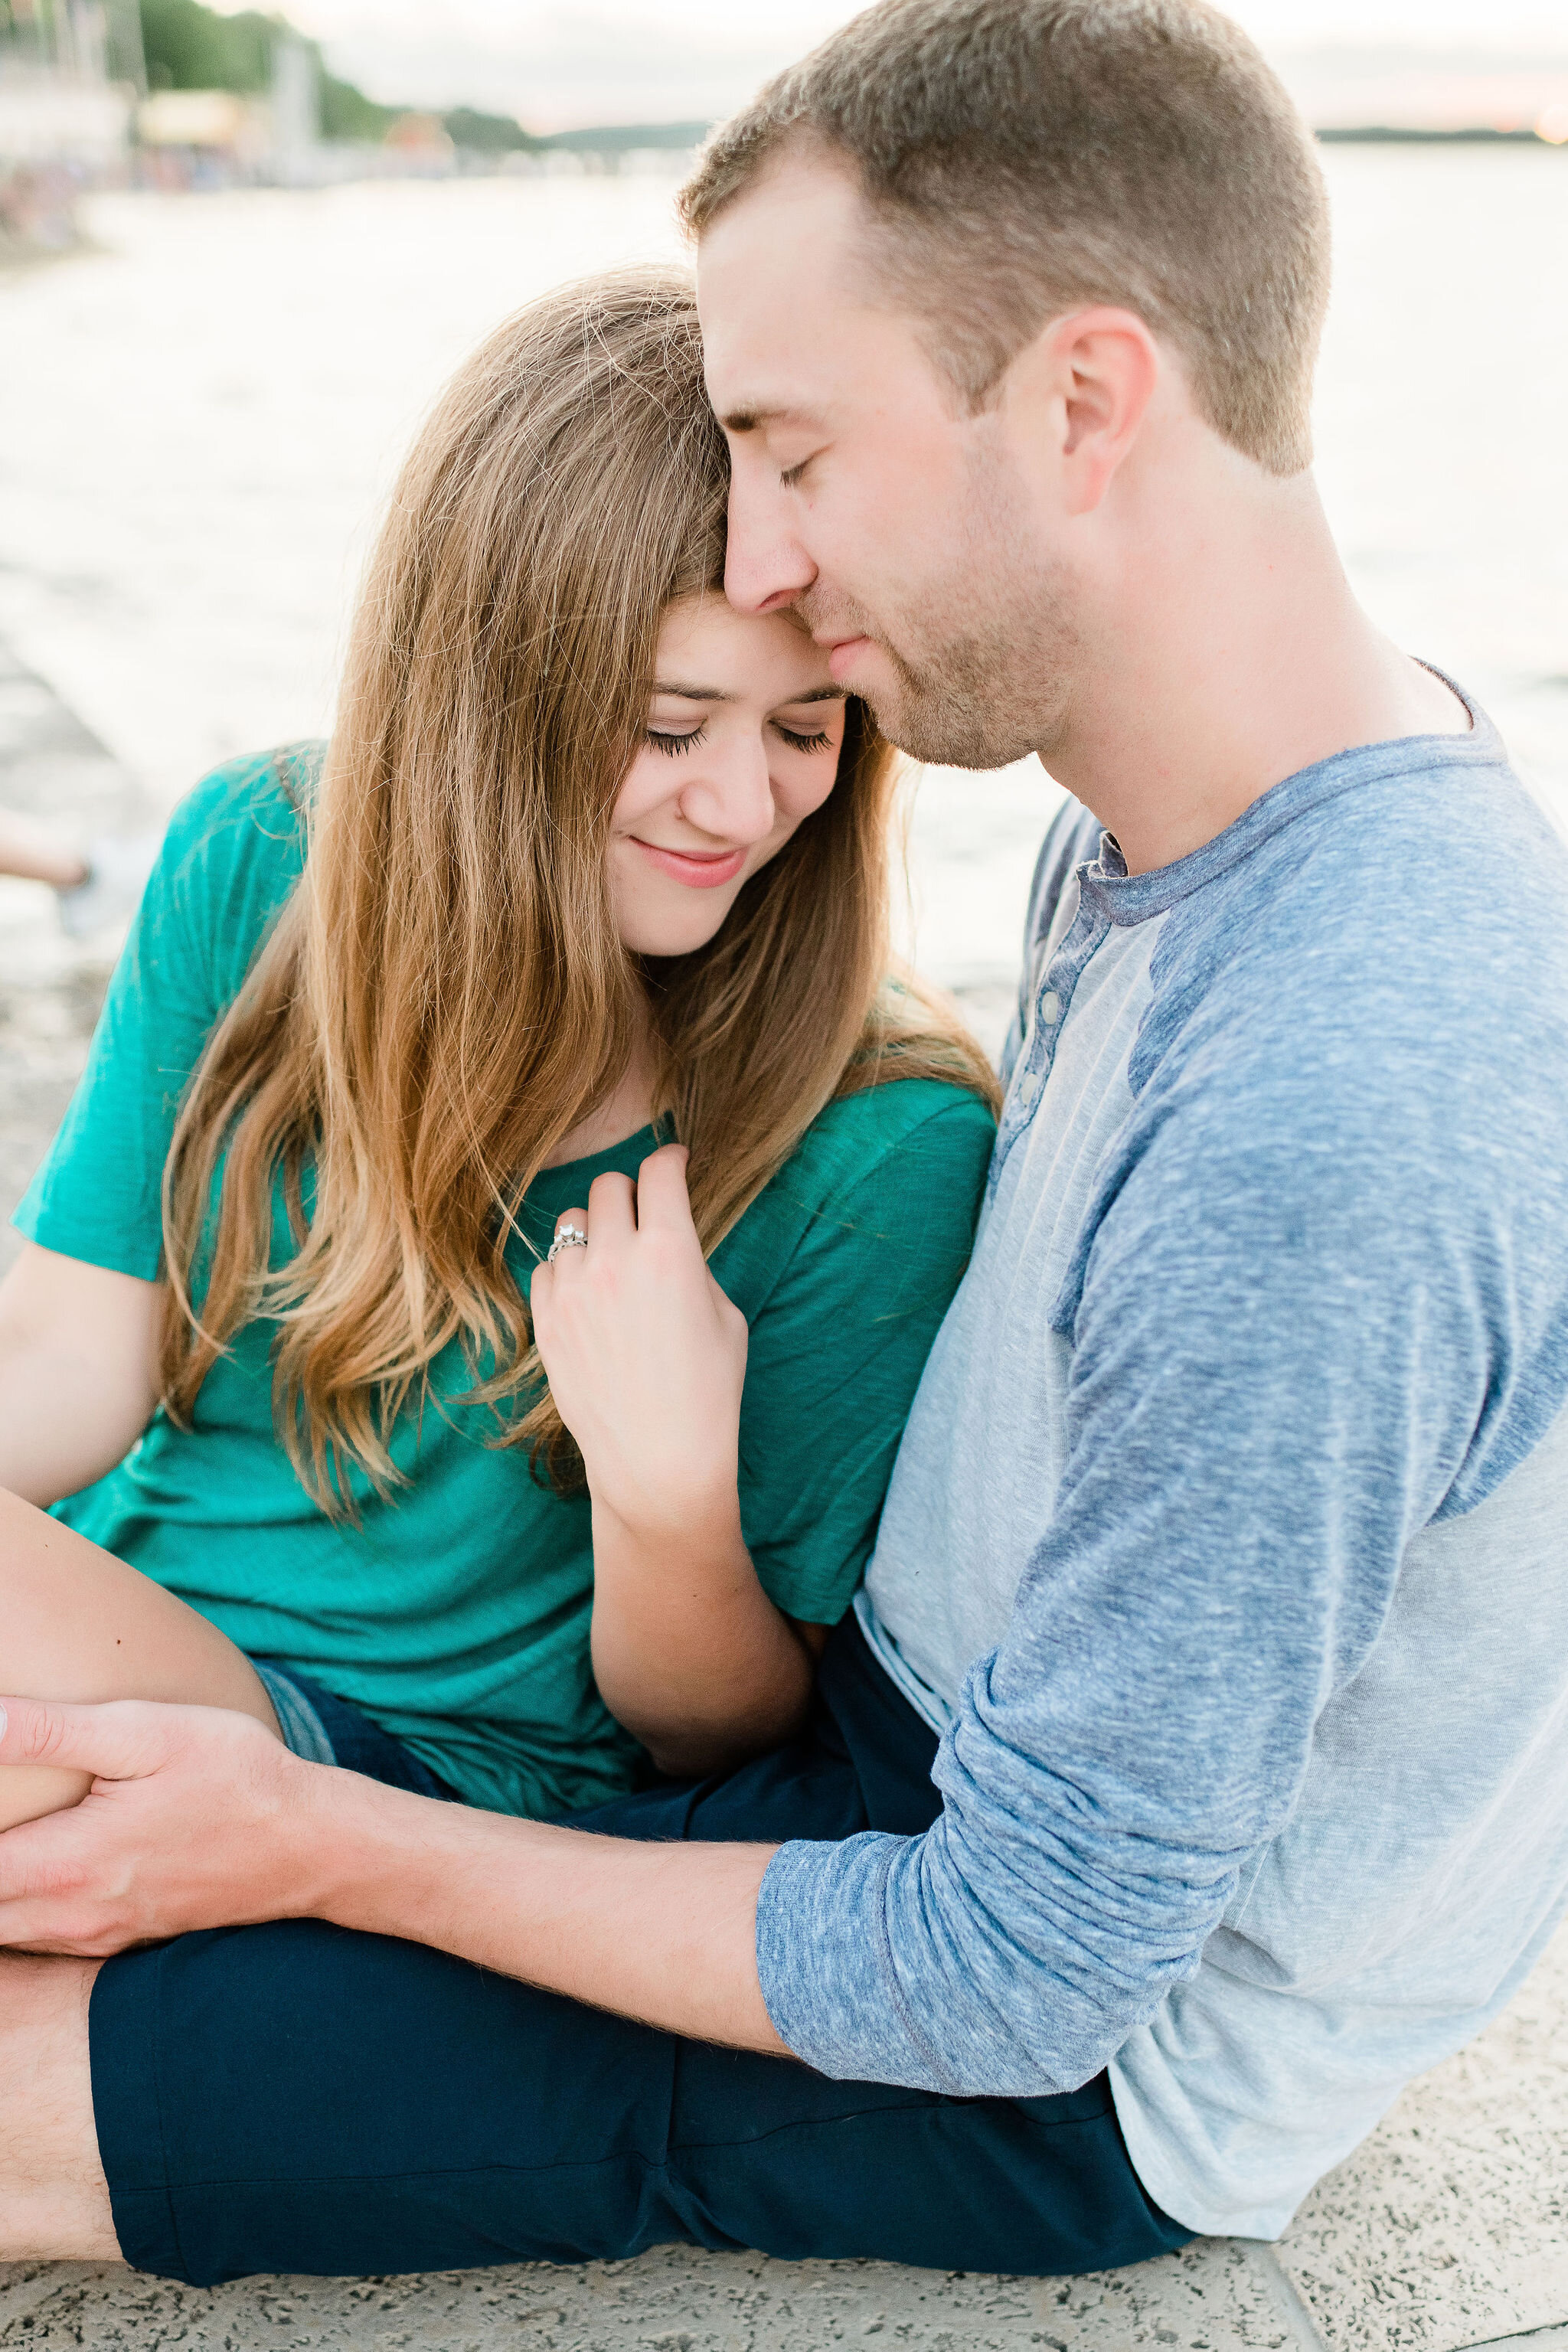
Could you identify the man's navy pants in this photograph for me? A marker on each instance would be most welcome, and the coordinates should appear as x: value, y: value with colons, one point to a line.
x: 298, y: 2098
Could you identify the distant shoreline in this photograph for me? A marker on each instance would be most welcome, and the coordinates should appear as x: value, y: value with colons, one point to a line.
x: 1395, y: 134
x: 629, y: 138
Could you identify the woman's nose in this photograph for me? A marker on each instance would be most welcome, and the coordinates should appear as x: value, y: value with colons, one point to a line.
x: 732, y: 796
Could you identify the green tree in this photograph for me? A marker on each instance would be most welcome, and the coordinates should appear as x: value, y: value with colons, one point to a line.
x: 346, y: 112
x: 188, y: 47
x: 487, y: 135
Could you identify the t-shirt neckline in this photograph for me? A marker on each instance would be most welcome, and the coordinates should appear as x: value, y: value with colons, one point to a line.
x: 1130, y: 898
x: 608, y: 1161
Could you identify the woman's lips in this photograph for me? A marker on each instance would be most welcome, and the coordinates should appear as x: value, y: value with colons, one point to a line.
x: 698, y: 873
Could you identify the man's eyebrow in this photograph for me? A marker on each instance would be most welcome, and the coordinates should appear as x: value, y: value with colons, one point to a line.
x: 747, y: 419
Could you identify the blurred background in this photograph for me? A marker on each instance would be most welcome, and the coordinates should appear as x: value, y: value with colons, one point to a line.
x: 238, y: 253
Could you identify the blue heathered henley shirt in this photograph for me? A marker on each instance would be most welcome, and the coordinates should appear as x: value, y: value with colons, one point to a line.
x: 1227, y: 1545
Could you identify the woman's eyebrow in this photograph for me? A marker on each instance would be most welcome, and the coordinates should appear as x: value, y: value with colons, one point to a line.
x: 689, y: 693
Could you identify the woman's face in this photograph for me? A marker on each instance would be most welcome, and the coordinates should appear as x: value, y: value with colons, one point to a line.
x: 743, y: 742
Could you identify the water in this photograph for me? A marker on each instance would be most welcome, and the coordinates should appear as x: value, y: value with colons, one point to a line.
x: 197, y: 424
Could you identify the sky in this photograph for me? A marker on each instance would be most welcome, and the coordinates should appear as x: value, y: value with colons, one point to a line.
x: 560, y: 63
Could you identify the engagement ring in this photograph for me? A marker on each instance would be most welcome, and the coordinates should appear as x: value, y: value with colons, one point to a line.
x: 569, y: 1237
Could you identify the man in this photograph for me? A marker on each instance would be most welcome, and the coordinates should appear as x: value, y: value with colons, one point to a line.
x: 1224, y: 1553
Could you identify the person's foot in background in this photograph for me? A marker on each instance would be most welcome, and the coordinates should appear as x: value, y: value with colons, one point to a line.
x: 93, y: 888
x: 114, y: 877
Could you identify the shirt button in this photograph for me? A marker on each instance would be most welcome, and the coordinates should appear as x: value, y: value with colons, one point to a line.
x: 1028, y: 1087
x: 1050, y: 1008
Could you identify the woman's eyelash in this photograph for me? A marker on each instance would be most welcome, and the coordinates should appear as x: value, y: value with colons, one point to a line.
x: 672, y: 746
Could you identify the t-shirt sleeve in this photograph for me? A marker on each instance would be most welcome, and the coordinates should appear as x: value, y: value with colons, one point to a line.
x: 838, y: 1351
x: 230, y: 856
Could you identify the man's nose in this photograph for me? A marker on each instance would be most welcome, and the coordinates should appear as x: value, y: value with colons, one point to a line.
x: 732, y: 796
x: 765, y: 567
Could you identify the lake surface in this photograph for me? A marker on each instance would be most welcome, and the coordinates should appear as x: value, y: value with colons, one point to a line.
x: 199, y: 420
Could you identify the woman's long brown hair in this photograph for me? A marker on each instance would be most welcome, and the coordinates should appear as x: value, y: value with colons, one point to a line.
x: 444, y: 996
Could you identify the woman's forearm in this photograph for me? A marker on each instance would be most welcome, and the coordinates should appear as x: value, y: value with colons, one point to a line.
x: 689, y: 1652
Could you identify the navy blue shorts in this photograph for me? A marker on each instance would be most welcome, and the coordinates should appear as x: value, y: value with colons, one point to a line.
x: 325, y: 1729
x: 298, y: 2098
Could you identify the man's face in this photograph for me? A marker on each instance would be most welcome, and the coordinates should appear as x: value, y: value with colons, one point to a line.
x: 913, y: 538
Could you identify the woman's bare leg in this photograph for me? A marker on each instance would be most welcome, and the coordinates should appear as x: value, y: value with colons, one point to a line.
x: 77, y: 1623
x: 54, y: 2201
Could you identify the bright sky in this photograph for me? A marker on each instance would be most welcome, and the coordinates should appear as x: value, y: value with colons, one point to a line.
x: 606, y: 60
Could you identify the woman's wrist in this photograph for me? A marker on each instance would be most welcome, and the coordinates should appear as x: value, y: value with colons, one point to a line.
x: 698, y: 1513
x: 690, y: 1654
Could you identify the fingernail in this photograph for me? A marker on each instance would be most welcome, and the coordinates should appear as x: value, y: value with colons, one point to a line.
x: 4, y: 1719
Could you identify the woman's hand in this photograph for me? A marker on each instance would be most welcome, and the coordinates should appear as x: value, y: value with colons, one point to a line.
x: 647, y: 1357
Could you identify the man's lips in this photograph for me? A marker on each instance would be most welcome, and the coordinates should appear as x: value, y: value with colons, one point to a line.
x: 697, y: 872
x: 842, y: 655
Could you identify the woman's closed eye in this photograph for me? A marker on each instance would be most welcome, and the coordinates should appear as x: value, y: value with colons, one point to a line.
x: 673, y: 745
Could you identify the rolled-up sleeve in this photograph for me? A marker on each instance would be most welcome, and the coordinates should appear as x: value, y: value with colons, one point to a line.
x: 1281, y: 1358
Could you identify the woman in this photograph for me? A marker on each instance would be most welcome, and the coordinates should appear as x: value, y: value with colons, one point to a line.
x: 592, y: 875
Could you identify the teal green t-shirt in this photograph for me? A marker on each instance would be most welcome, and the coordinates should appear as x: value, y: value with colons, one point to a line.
x: 457, y: 1613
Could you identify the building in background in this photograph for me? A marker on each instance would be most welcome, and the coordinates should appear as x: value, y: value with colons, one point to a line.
x: 176, y: 95
x: 69, y: 73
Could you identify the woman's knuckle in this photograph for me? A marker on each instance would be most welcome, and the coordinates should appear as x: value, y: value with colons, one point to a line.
x: 667, y: 1259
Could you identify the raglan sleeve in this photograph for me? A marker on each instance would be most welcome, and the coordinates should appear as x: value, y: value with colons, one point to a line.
x: 1284, y: 1341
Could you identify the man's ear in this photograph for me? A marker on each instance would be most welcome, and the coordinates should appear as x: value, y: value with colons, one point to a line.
x: 1088, y: 377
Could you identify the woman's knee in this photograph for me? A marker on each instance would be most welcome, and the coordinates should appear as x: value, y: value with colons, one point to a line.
x: 77, y: 1623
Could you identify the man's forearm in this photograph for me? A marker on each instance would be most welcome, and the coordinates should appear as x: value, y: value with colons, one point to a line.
x: 666, y: 1932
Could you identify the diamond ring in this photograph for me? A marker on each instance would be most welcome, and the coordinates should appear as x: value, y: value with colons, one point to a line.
x: 569, y: 1237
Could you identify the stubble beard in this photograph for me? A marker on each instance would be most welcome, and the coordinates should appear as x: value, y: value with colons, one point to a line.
x: 979, y: 696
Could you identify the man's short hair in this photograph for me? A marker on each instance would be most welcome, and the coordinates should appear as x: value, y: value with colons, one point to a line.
x: 1019, y: 158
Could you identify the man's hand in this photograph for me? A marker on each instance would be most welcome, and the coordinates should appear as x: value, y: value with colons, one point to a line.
x: 196, y: 1818
x: 200, y: 1819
